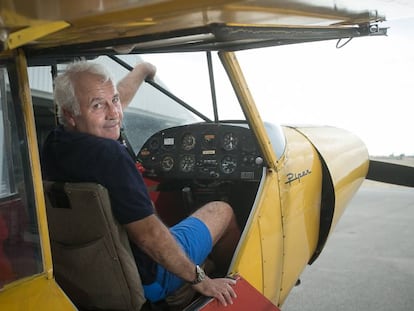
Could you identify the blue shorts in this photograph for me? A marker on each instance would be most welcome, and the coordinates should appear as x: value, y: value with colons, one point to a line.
x: 194, y: 238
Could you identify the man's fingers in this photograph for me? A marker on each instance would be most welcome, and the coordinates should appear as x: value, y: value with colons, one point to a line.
x: 227, y: 293
x: 228, y: 297
x: 225, y: 298
x: 221, y: 289
x: 232, y: 292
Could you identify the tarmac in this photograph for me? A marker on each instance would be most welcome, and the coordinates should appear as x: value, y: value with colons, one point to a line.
x: 368, y: 262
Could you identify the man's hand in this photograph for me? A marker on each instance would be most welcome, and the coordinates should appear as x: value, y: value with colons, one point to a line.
x: 221, y: 289
x: 146, y: 69
x: 129, y: 85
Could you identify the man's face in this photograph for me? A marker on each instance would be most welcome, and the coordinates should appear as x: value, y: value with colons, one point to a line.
x: 100, y: 107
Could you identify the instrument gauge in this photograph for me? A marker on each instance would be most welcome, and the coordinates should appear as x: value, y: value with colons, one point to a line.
x: 208, y: 141
x: 230, y: 141
x: 187, y: 163
x: 228, y: 164
x: 188, y: 142
x: 154, y: 144
x: 167, y: 163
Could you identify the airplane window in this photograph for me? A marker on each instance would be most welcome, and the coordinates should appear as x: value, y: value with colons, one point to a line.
x: 20, y: 253
x: 277, y: 138
x: 266, y: 102
x: 5, y: 185
x: 40, y: 80
x: 186, y: 76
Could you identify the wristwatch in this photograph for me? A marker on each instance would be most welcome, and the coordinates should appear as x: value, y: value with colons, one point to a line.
x: 200, y: 275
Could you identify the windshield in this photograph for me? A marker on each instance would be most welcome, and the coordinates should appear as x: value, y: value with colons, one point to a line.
x: 186, y: 75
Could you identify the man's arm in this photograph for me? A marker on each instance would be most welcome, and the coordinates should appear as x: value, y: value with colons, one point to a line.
x: 129, y: 85
x: 154, y: 238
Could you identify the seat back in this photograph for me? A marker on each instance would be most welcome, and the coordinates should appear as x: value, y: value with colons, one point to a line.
x: 92, y: 258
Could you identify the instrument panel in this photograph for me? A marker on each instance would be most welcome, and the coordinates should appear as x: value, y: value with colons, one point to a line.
x: 202, y: 151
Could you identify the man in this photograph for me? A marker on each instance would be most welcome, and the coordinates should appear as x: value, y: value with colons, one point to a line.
x: 86, y: 149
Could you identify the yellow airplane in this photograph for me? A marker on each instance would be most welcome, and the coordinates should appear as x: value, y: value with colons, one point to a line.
x: 289, y: 185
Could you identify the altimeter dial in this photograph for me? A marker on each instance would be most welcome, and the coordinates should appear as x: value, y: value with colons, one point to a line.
x: 188, y: 142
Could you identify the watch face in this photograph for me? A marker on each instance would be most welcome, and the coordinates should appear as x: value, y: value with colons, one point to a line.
x: 200, y: 274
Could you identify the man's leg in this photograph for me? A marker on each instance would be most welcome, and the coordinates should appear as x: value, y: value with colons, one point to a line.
x: 219, y: 218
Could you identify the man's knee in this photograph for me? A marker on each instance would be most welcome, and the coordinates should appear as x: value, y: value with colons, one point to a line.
x: 217, y: 215
x: 215, y: 210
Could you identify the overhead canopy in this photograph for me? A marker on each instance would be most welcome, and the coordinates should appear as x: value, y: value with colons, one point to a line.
x: 49, y: 29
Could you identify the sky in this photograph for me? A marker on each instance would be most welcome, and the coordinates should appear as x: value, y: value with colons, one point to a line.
x: 364, y: 87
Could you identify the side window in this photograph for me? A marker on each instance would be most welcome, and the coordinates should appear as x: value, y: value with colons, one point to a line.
x: 20, y: 252
x: 6, y: 186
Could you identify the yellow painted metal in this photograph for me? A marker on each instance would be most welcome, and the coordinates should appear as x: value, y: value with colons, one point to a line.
x: 26, y: 101
x: 300, y: 173
x: 300, y: 194
x: 26, y: 35
x: 40, y: 292
x: 34, y: 294
x: 260, y: 253
x: 347, y: 159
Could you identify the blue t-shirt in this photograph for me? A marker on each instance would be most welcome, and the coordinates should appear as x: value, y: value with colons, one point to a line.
x: 69, y: 156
